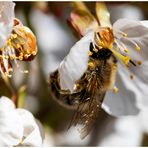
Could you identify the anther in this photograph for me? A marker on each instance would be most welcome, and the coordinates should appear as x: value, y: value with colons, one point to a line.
x: 91, y: 64
x: 139, y: 62
x: 132, y: 77
x: 124, y: 34
x: 115, y: 89
x: 126, y: 50
x: 138, y: 48
x: 95, y: 50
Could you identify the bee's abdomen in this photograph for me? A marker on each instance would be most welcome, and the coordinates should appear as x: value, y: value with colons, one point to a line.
x: 63, y: 97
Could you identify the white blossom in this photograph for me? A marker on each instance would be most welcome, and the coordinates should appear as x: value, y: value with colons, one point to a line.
x: 6, y: 21
x: 126, y: 131
x: 18, y: 126
x: 129, y: 34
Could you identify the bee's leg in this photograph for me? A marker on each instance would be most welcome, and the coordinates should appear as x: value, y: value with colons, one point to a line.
x: 63, y: 92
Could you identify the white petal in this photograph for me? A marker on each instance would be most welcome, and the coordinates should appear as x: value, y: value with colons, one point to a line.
x: 11, y: 129
x: 125, y: 101
x: 6, y: 21
x: 122, y: 132
x: 137, y: 31
x: 75, y: 63
x: 49, y: 32
x: 31, y: 130
x: 143, y: 118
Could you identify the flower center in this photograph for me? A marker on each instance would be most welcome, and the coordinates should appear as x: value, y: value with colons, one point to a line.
x: 21, y: 45
x: 104, y: 37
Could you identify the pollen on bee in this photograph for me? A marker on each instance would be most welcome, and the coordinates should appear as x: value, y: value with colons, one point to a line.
x: 20, y: 57
x: 76, y: 86
x: 115, y: 89
x: 18, y: 46
x: 26, y: 56
x: 12, y: 57
x: 90, y: 53
x: 86, y: 122
x: 95, y: 50
x: 91, y: 64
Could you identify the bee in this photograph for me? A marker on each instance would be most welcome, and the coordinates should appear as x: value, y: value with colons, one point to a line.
x: 91, y: 88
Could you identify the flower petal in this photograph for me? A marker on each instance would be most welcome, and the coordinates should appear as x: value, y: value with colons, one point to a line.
x: 82, y: 19
x: 125, y: 101
x: 6, y: 21
x: 11, y: 129
x: 103, y: 14
x: 75, y: 64
x: 32, y: 135
x: 124, y: 131
x: 137, y: 31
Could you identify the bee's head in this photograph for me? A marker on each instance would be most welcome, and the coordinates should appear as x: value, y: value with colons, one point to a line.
x: 104, y: 37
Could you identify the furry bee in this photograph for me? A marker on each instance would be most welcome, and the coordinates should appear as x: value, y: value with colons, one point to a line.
x: 91, y: 88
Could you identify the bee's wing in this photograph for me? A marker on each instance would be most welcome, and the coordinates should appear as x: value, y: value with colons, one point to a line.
x: 103, y: 14
x: 82, y: 19
x: 87, y: 113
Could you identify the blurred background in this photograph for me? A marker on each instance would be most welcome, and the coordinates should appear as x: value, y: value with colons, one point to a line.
x: 48, y: 20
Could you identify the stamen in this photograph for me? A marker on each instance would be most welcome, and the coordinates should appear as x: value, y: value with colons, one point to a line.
x: 95, y: 50
x: 132, y: 63
x: 138, y: 48
x: 121, y: 45
x: 126, y: 50
x: 132, y: 77
x: 115, y: 89
x: 139, y: 62
x: 124, y: 34
x: 125, y: 59
x: 90, y: 53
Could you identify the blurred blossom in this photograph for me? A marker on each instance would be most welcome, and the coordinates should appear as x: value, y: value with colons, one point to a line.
x: 49, y: 139
x: 32, y: 104
x: 126, y: 131
x: 126, y: 11
x: 18, y: 126
x: 71, y: 138
x: 53, y: 39
x: 128, y: 43
x: 6, y: 21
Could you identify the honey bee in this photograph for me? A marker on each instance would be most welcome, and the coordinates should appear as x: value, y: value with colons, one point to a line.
x: 91, y: 88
